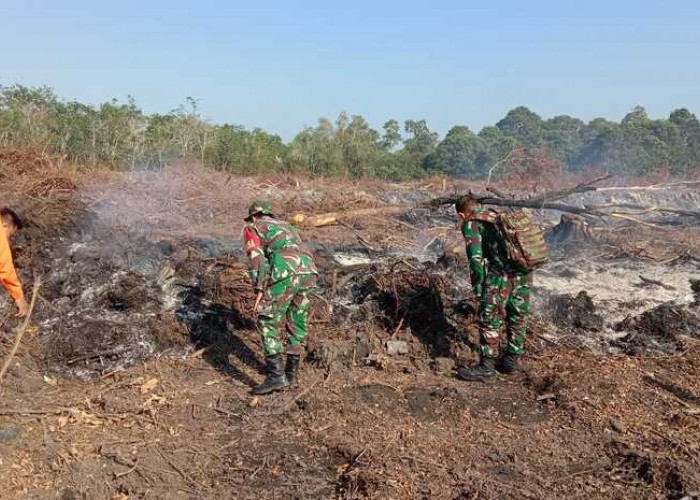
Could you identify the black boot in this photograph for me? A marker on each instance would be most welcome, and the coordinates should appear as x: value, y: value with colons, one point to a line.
x: 486, y: 370
x: 508, y: 364
x: 275, y: 379
x: 292, y: 367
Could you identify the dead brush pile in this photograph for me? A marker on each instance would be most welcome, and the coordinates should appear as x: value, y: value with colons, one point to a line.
x: 330, y: 201
x: 41, y: 187
x: 424, y: 307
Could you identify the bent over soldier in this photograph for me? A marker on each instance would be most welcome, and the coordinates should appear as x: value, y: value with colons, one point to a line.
x: 283, y: 274
x: 501, y: 288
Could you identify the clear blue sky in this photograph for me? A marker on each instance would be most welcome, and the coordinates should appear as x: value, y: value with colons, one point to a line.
x: 283, y: 64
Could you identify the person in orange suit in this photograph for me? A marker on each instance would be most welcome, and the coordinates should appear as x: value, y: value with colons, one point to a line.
x: 11, y: 223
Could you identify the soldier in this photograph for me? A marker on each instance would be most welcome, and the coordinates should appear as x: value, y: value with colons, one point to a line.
x: 11, y: 223
x: 496, y: 281
x: 283, y: 274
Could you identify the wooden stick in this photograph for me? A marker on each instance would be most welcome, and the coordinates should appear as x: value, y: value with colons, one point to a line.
x: 30, y: 413
x: 22, y: 330
x: 654, y: 187
x: 563, y: 193
x: 647, y: 208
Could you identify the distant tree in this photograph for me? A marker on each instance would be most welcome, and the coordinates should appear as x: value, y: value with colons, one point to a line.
x: 457, y: 153
x: 235, y: 149
x: 689, y: 130
x: 419, y: 144
x: 421, y: 141
x: 74, y: 131
x: 523, y: 125
x: 392, y: 135
x: 26, y: 115
x: 191, y: 132
x: 564, y: 136
x: 161, y: 139
x: 495, y: 149
x: 638, y: 114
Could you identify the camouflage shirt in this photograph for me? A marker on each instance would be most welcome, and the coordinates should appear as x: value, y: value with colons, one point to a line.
x: 275, y: 251
x: 484, y: 247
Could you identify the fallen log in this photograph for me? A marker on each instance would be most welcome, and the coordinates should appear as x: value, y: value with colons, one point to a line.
x: 330, y: 218
x: 527, y: 203
x: 563, y: 193
x: 547, y: 201
x: 645, y: 208
x: 654, y: 187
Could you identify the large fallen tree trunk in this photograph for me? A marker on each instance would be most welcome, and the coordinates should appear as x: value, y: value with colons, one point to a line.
x: 600, y: 210
x: 526, y: 203
x: 547, y: 201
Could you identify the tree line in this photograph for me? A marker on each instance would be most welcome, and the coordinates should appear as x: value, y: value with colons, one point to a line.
x: 122, y: 136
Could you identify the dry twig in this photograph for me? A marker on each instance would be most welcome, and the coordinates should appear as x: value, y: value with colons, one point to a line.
x: 23, y: 328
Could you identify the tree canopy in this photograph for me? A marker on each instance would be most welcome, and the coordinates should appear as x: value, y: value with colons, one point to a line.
x: 123, y: 136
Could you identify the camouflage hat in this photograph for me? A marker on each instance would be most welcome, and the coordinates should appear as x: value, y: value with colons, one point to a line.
x: 263, y: 207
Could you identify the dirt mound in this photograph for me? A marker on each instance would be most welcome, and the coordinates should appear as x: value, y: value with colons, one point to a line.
x: 661, y: 329
x: 576, y: 313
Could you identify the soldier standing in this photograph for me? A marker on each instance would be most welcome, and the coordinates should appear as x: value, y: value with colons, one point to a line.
x: 496, y: 282
x: 283, y: 274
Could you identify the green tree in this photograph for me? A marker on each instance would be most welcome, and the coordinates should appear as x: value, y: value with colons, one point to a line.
x: 26, y: 115
x: 496, y: 147
x: 689, y: 130
x: 457, y: 153
x: 524, y: 126
x: 564, y: 136
x: 421, y: 141
x: 638, y: 114
x: 392, y: 135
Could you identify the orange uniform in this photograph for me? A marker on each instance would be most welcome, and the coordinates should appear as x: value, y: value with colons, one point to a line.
x: 8, y: 274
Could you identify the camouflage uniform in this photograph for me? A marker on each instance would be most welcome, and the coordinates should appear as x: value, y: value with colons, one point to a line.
x: 283, y: 269
x: 497, y: 284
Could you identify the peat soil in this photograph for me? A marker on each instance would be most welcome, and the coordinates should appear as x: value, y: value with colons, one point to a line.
x: 133, y: 381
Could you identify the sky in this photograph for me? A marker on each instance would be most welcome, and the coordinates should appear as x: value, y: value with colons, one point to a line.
x: 280, y: 65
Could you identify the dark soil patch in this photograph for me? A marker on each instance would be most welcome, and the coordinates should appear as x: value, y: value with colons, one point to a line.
x: 660, y: 328
x: 375, y: 397
x: 577, y: 313
x: 431, y: 403
x: 510, y: 403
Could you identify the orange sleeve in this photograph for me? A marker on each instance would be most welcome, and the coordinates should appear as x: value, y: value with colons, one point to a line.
x: 8, y: 274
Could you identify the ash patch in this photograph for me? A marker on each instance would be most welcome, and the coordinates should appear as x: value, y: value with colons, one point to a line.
x: 116, y: 296
x: 575, y: 312
x: 659, y: 329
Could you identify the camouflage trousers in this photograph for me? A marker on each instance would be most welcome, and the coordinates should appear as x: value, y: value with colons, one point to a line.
x: 504, y: 296
x: 286, y: 304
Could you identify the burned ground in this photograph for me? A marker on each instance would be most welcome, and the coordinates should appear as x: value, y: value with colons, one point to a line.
x: 134, y: 380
